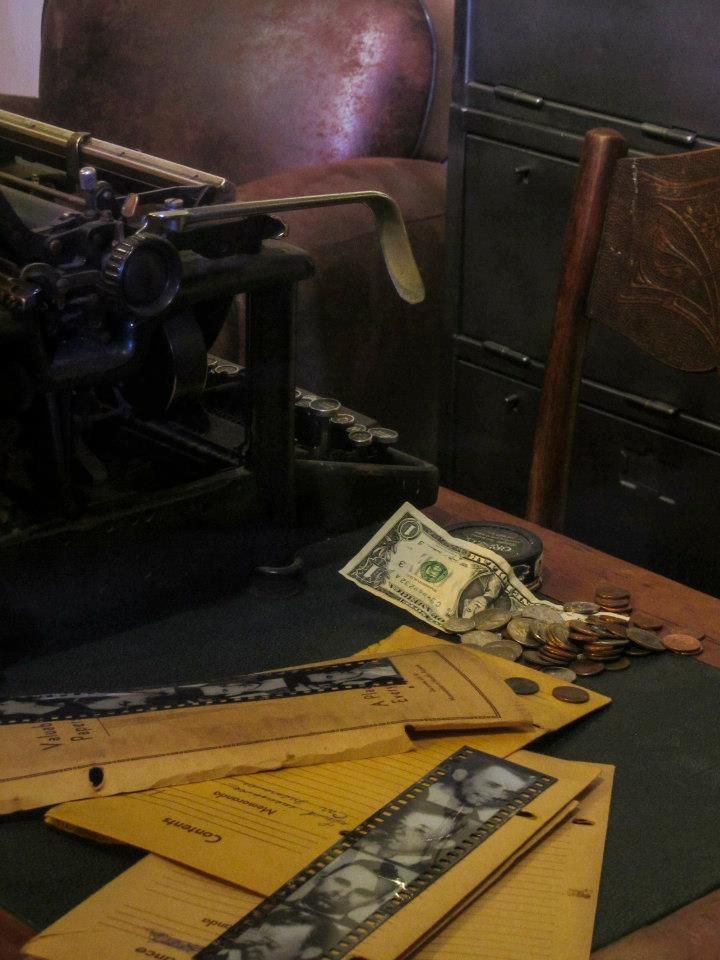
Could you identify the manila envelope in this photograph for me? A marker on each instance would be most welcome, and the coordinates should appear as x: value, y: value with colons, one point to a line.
x: 303, y: 715
x: 544, y: 908
x: 159, y: 908
x: 259, y: 830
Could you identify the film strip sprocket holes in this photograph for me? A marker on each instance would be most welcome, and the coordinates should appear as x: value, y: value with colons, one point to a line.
x: 351, y: 889
x: 273, y: 685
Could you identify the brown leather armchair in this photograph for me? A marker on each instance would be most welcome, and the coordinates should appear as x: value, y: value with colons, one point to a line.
x: 289, y: 97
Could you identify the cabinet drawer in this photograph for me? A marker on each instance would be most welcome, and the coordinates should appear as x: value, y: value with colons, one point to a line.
x: 635, y: 492
x: 516, y: 204
x: 649, y: 61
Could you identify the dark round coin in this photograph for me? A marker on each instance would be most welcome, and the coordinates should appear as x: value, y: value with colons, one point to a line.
x: 479, y: 638
x: 691, y: 653
x: 622, y: 663
x: 491, y: 619
x: 682, y: 643
x: 571, y: 694
x: 517, y: 630
x: 646, y: 621
x: 587, y: 668
x: 538, y: 631
x: 581, y: 627
x: 544, y: 612
x: 507, y: 649
x: 458, y: 624
x: 632, y: 651
x: 606, y: 617
x: 609, y: 592
x: 583, y: 607
x: 533, y: 658
x: 522, y: 685
x: 646, y: 639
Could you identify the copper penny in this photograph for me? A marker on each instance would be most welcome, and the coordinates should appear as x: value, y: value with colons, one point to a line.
x: 523, y: 686
x: 607, y: 617
x: 581, y: 627
x: 646, y: 622
x: 587, y: 668
x: 571, y: 694
x: 682, y: 643
x: 622, y: 663
x: 609, y: 592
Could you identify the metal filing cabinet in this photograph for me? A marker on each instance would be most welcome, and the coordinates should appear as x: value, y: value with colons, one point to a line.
x: 530, y: 78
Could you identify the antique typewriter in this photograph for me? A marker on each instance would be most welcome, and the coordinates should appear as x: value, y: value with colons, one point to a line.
x: 131, y: 460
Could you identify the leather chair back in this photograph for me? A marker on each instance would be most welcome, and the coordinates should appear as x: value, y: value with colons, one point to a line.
x: 243, y: 88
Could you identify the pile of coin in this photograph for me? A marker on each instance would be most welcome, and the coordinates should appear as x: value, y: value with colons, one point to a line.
x: 584, y: 638
x: 612, y: 599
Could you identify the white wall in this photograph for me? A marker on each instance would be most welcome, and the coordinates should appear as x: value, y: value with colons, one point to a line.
x: 20, y: 46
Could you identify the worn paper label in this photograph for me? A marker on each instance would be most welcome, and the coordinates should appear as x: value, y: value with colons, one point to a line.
x: 159, y: 909
x: 433, y: 688
x: 259, y: 830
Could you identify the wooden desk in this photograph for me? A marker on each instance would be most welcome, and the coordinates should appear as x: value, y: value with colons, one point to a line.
x: 573, y: 569
x: 571, y: 572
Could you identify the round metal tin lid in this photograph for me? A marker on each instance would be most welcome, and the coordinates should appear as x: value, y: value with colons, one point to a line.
x: 522, y: 549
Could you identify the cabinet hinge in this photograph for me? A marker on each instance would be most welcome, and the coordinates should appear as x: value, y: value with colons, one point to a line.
x: 518, y: 96
x: 645, y: 403
x: 683, y: 138
x: 500, y: 350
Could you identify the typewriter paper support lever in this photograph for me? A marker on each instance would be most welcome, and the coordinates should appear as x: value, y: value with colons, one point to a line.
x: 389, y: 225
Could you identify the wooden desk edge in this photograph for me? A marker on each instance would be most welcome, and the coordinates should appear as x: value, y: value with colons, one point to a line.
x: 572, y: 570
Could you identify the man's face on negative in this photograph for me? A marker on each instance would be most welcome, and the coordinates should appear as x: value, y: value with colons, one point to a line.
x: 272, y: 941
x: 347, y: 888
x: 332, y: 676
x: 417, y: 831
x: 490, y: 787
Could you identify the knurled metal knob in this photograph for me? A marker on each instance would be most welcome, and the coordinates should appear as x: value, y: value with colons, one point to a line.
x: 143, y: 273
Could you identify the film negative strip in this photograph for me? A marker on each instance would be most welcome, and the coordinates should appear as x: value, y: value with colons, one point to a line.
x: 349, y: 891
x: 272, y: 685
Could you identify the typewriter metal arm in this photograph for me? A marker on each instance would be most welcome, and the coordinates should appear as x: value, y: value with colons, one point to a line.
x: 389, y: 226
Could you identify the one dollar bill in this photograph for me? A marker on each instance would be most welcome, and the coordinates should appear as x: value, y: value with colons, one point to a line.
x: 415, y: 564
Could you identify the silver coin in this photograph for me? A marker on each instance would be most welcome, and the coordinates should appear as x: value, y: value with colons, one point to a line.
x: 562, y: 673
x: 538, y: 631
x: 544, y: 612
x: 533, y: 658
x: 518, y: 628
x: 583, y: 607
x: 507, y: 649
x: 491, y: 619
x: 479, y: 638
x: 458, y: 624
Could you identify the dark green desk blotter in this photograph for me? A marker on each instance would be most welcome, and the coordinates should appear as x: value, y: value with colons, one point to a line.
x: 660, y: 732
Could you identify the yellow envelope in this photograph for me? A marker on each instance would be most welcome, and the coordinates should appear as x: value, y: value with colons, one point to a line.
x: 544, y: 908
x: 161, y: 910
x: 441, y: 687
x: 258, y: 831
